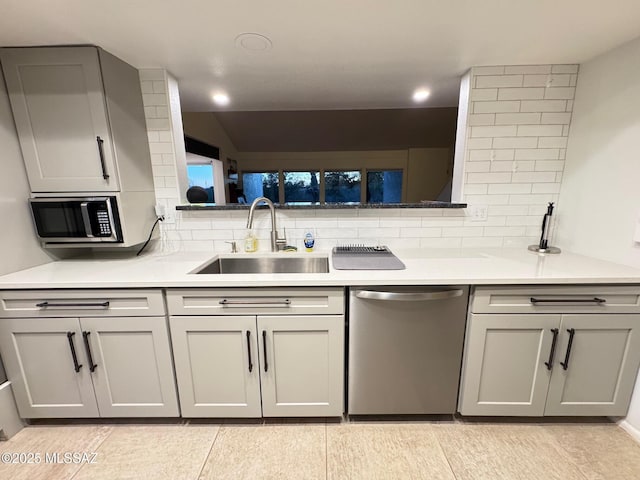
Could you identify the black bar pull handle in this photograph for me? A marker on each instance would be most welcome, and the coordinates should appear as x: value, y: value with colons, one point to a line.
x: 100, y: 141
x: 596, y: 300
x: 49, y: 304
x: 76, y: 365
x: 552, y: 353
x: 249, y: 350
x: 565, y: 364
x: 264, y: 348
x: 92, y: 366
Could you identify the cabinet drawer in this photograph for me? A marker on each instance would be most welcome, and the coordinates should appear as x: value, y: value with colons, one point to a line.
x: 248, y: 301
x: 81, y: 303
x: 560, y: 299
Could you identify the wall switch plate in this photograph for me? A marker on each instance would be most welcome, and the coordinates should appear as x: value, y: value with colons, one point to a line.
x: 478, y: 213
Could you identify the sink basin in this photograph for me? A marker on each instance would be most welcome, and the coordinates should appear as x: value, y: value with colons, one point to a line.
x: 284, y: 264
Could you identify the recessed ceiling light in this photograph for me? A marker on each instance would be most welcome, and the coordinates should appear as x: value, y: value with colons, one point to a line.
x: 420, y: 95
x: 221, y: 99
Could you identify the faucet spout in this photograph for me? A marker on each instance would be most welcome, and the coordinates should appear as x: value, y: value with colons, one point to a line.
x: 277, y: 243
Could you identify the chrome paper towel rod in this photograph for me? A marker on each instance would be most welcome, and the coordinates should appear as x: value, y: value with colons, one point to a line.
x: 543, y: 246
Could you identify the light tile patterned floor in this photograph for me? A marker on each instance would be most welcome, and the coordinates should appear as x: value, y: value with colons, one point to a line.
x: 434, y: 450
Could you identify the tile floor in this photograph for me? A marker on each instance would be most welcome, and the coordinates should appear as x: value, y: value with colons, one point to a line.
x: 434, y: 450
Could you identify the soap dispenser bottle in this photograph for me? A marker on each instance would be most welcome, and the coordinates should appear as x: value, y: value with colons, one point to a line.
x: 250, y: 241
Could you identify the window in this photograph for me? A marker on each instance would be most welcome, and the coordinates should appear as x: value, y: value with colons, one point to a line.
x: 200, y: 175
x: 342, y: 186
x: 302, y: 187
x: 261, y: 184
x: 384, y: 186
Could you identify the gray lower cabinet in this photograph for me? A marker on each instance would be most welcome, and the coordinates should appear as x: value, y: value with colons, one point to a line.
x: 252, y: 366
x: 88, y: 353
x: 549, y: 362
x: 89, y: 367
x: 252, y: 352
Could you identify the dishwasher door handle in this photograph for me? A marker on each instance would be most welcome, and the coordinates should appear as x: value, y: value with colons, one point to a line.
x: 408, y: 296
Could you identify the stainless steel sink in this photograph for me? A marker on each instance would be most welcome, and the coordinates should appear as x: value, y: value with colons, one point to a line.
x: 284, y: 264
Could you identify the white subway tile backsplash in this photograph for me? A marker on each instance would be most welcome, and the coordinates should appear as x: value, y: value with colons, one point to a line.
x: 509, y: 210
x: 146, y: 87
x: 482, y: 119
x: 535, y: 80
x: 448, y: 242
x: 475, y: 189
x: 495, y: 131
x: 400, y: 222
x: 520, y: 93
x: 473, y: 167
x: 462, y: 231
x: 378, y: 232
x: 479, y: 155
x: 533, y: 177
x: 489, y: 81
x: 478, y: 143
x: 154, y: 99
x: 537, y: 154
x: 512, y: 231
x: 523, y: 220
x: 549, y: 165
x: 479, y: 94
x: 158, y: 123
x: 546, y: 188
x: 514, y: 142
x: 531, y: 199
x: 543, y: 105
x: 491, y: 70
x: 159, y: 86
x: 496, y: 177
x: 527, y: 69
x: 552, y: 142
x: 564, y: 69
x: 149, y: 74
x: 516, y: 118
x: 566, y: 93
x: 539, y: 130
x: 563, y: 118
x: 212, y: 234
x: 496, y: 107
x: 421, y: 232
x: 487, y: 199
x: 509, y: 188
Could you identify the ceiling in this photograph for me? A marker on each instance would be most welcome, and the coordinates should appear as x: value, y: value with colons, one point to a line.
x: 334, y: 54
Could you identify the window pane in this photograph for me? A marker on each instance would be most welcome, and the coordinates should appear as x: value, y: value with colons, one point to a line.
x: 384, y: 186
x: 201, y: 175
x: 342, y: 187
x: 264, y: 184
x: 302, y: 187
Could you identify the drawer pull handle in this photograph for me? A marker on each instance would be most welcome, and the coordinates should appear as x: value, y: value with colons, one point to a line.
x: 264, y: 348
x: 48, y: 304
x: 92, y: 366
x: 278, y: 301
x: 249, y: 350
x: 76, y: 365
x: 596, y: 300
x: 552, y: 353
x: 565, y: 364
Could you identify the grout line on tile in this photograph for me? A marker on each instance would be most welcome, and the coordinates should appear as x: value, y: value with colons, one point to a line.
x: 111, y: 430
x: 204, y: 462
x: 435, y: 434
x: 558, y: 446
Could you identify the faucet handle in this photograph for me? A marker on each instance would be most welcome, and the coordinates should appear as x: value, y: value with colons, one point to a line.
x: 234, y: 246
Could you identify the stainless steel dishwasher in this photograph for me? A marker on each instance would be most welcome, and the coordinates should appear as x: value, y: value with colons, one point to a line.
x: 405, y: 349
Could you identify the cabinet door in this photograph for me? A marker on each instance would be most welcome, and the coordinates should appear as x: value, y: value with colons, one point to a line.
x: 217, y: 365
x: 302, y: 365
x: 601, y: 366
x: 504, y: 370
x: 59, y: 109
x: 132, y: 369
x: 38, y: 356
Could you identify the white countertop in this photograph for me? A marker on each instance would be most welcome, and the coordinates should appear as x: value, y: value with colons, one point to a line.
x: 424, y: 267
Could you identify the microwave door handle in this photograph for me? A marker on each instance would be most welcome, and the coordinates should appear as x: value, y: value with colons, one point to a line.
x: 84, y: 209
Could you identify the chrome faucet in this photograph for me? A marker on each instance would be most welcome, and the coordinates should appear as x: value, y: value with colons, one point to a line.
x: 277, y: 243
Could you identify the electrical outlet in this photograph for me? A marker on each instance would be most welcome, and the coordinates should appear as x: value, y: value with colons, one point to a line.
x: 478, y: 213
x: 159, y: 210
x: 169, y: 216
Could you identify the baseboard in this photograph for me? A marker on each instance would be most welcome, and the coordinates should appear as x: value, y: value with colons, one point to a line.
x: 630, y: 429
x: 10, y: 422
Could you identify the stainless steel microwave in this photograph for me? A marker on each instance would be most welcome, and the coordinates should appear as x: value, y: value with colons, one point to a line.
x: 77, y: 219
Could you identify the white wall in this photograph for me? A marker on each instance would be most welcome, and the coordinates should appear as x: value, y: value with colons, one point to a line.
x: 600, y: 195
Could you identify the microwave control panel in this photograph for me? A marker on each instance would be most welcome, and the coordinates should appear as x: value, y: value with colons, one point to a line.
x: 103, y: 223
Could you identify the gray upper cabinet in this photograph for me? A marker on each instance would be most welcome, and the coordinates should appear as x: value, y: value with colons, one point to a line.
x: 80, y: 120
